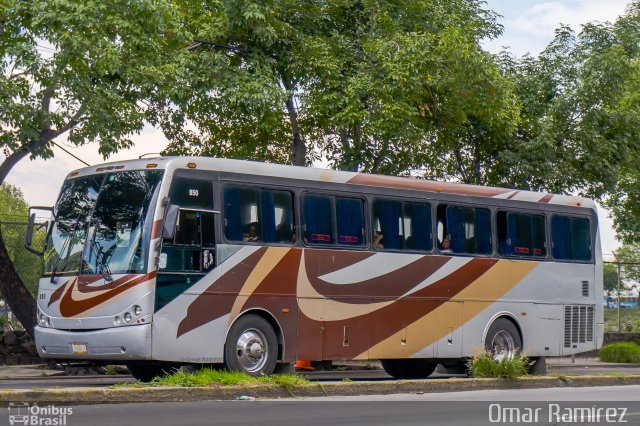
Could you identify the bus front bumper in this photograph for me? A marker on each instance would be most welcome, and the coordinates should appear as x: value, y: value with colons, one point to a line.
x: 121, y: 343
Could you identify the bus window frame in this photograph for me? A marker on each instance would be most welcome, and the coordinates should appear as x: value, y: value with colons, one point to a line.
x: 332, y: 195
x: 257, y: 186
x: 591, y: 238
x: 547, y: 233
x: 432, y: 218
x: 493, y: 233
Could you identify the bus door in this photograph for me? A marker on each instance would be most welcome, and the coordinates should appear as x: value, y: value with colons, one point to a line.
x: 190, y: 254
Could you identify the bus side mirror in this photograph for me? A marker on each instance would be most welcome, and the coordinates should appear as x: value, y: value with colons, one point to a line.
x: 34, y: 228
x: 170, y: 221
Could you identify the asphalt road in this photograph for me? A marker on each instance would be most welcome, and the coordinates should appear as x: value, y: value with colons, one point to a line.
x: 553, y: 406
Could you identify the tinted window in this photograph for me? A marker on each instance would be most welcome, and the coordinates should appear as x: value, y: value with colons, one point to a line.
x: 258, y: 215
x: 401, y: 225
x: 333, y: 220
x: 193, y: 193
x: 521, y: 235
x: 571, y: 238
x: 464, y: 230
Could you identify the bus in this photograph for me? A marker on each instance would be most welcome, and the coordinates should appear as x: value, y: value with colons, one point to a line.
x: 186, y: 260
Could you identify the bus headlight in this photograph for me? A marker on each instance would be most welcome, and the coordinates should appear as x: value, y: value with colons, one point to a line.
x: 127, y: 317
x: 117, y: 321
x: 137, y: 310
x: 48, y: 322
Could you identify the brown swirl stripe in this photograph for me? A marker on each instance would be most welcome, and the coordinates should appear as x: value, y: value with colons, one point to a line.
x: 277, y: 292
x: 393, y: 284
x: 202, y: 310
x: 85, y: 281
x: 372, y: 328
x: 58, y: 292
x: 70, y: 307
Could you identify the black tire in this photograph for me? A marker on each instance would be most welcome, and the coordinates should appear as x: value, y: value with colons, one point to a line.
x: 251, y: 347
x: 503, y: 339
x: 147, y: 372
x: 409, y: 368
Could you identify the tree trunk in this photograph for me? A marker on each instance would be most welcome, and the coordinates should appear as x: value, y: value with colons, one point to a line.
x: 15, y: 293
x: 298, y: 146
x: 12, y: 289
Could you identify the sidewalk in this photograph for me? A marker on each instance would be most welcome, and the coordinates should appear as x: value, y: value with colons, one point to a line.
x: 565, y: 362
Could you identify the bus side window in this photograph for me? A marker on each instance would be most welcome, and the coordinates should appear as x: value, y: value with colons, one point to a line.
x: 521, y: 234
x: 467, y: 230
x: 571, y: 238
x: 258, y: 215
x: 318, y: 223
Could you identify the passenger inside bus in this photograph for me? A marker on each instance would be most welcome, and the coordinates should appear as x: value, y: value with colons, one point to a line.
x: 252, y: 233
x: 378, y: 238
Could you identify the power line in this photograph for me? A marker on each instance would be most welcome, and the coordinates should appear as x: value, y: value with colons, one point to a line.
x: 71, y: 154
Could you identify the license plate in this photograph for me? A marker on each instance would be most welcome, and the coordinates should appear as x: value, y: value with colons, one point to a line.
x: 79, y: 348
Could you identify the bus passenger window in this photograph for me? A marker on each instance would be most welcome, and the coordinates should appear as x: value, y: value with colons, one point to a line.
x: 258, y: 215
x: 402, y: 225
x: 467, y: 229
x: 317, y: 214
x: 571, y: 238
x: 521, y: 234
x: 350, y: 221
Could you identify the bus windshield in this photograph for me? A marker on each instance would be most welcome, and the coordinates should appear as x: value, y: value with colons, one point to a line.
x: 101, y: 223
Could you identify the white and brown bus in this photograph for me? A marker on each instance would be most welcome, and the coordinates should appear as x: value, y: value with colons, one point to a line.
x: 202, y: 261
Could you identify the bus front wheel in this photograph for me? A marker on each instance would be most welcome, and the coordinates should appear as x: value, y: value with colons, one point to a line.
x: 409, y: 368
x: 251, y: 346
x: 503, y: 340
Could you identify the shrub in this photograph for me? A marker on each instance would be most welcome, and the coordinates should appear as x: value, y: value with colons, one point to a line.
x: 620, y: 352
x: 483, y: 365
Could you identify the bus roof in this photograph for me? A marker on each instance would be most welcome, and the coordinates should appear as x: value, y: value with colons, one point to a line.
x: 336, y: 176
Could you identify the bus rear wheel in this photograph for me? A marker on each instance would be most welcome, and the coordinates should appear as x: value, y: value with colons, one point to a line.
x: 503, y: 340
x: 251, y: 347
x: 409, y: 368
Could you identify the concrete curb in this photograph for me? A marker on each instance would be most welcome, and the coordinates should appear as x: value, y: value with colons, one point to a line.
x: 124, y: 395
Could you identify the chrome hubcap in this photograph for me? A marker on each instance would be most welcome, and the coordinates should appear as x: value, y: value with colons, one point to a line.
x: 503, y: 346
x: 252, y: 350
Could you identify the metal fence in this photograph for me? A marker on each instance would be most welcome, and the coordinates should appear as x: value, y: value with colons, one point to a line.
x: 621, y: 297
x: 28, y: 265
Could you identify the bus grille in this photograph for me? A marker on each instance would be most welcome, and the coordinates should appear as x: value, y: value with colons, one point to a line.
x: 578, y: 324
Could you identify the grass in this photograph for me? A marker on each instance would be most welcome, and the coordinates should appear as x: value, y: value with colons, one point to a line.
x: 629, y: 319
x: 210, y: 377
x: 482, y: 365
x: 620, y: 352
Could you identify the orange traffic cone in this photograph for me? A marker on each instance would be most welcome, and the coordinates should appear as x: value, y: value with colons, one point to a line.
x: 303, y: 364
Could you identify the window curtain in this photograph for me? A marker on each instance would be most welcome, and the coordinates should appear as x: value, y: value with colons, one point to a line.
x: 455, y: 229
x: 389, y: 213
x: 318, y: 220
x: 349, y: 215
x: 483, y: 231
x: 233, y: 225
x: 561, y: 235
x: 581, y: 239
x: 421, y: 226
x: 267, y: 216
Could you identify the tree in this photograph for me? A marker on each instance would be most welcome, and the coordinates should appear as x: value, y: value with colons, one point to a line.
x: 368, y: 84
x: 84, y: 69
x: 576, y: 129
x: 629, y: 256
x: 13, y: 217
x: 610, y: 272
